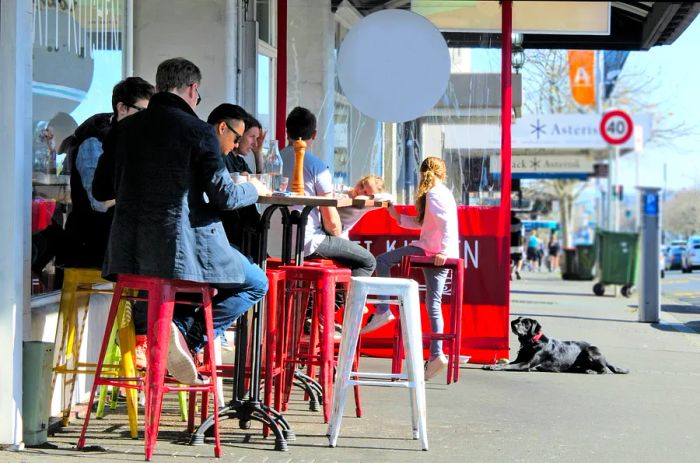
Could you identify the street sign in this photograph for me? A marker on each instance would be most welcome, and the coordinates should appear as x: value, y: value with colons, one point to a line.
x: 651, y: 203
x: 616, y: 127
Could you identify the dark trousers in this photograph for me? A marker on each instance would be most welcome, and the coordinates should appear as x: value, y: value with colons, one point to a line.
x: 359, y: 260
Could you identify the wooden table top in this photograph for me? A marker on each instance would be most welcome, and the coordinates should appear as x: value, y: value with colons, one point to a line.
x: 320, y: 201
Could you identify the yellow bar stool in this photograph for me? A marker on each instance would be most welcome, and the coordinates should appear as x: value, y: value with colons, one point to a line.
x: 78, y: 285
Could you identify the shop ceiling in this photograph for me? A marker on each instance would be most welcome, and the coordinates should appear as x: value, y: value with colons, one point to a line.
x: 633, y: 26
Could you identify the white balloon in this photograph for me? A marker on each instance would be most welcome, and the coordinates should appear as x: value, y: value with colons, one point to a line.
x: 394, y: 65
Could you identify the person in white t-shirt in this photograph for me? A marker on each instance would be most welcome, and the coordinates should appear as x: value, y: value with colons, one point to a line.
x: 323, y: 231
x: 439, y: 238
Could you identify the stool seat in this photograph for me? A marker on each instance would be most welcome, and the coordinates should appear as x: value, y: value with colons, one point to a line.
x: 394, y: 291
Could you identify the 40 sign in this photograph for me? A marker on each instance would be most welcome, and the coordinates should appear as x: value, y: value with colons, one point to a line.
x: 616, y: 127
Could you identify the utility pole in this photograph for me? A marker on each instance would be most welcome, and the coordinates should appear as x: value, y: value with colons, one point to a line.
x: 607, y: 201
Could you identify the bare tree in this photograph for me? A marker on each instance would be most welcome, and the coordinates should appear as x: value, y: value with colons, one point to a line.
x: 681, y: 214
x: 547, y: 91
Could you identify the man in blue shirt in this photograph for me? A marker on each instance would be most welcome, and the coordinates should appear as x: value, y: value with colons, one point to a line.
x: 323, y: 229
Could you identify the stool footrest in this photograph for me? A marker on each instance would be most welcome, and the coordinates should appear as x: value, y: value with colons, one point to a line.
x: 130, y: 385
x: 383, y: 301
x: 404, y: 384
x: 363, y: 374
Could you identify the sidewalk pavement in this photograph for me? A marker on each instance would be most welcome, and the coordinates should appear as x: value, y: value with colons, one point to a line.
x: 647, y: 415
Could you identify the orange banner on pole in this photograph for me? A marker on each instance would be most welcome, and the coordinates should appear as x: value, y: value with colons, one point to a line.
x: 582, y: 76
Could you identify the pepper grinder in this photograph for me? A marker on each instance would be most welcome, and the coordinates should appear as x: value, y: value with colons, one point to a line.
x: 298, y: 176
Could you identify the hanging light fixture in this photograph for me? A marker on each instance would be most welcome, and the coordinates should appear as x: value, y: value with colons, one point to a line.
x: 518, y: 58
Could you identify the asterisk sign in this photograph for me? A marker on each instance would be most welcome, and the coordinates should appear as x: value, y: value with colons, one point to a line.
x: 538, y: 128
x: 535, y: 164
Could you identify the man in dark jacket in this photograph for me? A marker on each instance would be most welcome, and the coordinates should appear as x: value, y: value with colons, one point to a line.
x: 89, y: 221
x: 164, y: 168
x: 230, y: 121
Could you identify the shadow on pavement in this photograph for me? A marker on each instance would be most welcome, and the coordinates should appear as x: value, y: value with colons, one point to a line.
x: 677, y: 308
x: 687, y: 327
x: 571, y: 317
x: 554, y: 293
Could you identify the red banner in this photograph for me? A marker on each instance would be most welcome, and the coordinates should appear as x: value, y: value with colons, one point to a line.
x: 485, y: 313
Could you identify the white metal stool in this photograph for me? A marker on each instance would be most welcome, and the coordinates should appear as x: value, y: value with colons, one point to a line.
x: 406, y: 292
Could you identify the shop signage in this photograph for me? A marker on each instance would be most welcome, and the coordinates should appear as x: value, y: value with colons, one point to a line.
x: 548, y: 131
x: 486, y: 263
x: 561, y: 164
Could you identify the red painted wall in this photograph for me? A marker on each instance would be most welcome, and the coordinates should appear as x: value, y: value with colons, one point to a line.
x: 485, y: 313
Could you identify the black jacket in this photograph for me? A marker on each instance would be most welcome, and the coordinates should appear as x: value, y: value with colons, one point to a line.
x: 163, y: 167
x: 87, y: 229
x: 242, y: 224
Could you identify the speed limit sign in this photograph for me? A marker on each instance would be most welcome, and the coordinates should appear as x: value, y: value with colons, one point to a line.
x: 616, y: 127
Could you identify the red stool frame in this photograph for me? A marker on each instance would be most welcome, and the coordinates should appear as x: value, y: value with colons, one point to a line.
x: 319, y: 348
x: 452, y: 335
x: 161, y: 302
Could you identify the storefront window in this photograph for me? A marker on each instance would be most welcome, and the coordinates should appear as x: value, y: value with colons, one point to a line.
x: 77, y: 59
x: 265, y: 95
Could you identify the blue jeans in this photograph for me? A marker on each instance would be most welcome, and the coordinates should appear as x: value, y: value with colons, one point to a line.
x: 229, y: 303
x: 434, y: 286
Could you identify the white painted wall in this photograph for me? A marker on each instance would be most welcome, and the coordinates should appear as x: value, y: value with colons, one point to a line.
x: 311, y: 67
x: 15, y: 207
x: 205, y: 32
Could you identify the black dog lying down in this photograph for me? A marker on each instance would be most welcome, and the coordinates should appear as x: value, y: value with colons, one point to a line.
x: 540, y: 353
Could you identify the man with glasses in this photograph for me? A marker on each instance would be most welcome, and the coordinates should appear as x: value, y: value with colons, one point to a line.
x: 164, y: 168
x: 88, y: 223
x: 229, y: 122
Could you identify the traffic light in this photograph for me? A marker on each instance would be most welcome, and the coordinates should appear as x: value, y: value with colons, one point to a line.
x: 617, y: 192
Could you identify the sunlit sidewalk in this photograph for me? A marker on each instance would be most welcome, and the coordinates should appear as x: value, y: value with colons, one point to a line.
x: 648, y: 415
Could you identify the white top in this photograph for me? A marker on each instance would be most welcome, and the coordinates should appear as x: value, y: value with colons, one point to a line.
x: 439, y: 233
x: 317, y: 182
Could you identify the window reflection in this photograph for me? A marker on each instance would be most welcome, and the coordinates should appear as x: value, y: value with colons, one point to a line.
x: 77, y: 59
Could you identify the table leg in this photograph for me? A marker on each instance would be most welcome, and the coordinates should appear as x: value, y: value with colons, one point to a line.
x: 248, y: 409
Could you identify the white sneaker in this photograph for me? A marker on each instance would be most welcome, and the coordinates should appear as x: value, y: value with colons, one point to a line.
x: 377, y: 320
x: 435, y: 366
x: 180, y: 362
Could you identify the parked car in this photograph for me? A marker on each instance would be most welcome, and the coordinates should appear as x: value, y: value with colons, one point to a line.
x: 674, y: 257
x: 691, y: 255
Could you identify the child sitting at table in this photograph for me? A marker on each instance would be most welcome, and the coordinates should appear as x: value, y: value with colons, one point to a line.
x: 370, y: 187
x: 439, y: 237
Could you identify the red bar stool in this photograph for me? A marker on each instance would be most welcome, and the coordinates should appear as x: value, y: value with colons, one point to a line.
x: 273, y: 340
x: 161, y: 302
x: 318, y: 348
x: 452, y: 335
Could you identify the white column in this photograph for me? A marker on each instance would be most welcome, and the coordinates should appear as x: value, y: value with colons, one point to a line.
x: 201, y: 32
x: 15, y: 207
x: 311, y: 67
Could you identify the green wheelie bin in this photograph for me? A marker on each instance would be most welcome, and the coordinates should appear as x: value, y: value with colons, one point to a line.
x: 617, y: 260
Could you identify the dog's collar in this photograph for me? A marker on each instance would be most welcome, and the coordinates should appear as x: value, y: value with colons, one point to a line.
x: 536, y: 338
